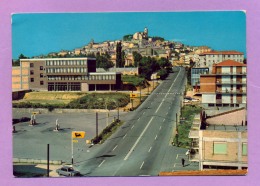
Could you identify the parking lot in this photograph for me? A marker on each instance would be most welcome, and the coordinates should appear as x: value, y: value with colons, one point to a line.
x: 31, y: 141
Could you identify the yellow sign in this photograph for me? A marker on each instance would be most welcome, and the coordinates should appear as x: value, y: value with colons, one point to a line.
x: 75, y: 141
x: 133, y: 95
x: 158, y: 76
x: 34, y: 113
x: 78, y: 134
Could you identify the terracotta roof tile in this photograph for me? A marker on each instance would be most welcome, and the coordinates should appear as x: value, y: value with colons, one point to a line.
x: 231, y: 52
x: 230, y: 62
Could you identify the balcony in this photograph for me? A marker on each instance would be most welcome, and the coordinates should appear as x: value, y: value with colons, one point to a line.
x: 230, y: 91
x: 230, y: 73
x: 219, y: 82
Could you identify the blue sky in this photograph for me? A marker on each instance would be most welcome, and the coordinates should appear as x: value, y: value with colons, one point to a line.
x: 35, y: 34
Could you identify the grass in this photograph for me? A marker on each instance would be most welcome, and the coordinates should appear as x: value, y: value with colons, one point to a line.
x: 107, y: 132
x: 73, y: 100
x: 134, y: 80
x: 188, y: 113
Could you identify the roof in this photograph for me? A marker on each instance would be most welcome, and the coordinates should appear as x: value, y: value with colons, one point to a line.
x: 205, y: 173
x: 231, y: 52
x: 230, y: 63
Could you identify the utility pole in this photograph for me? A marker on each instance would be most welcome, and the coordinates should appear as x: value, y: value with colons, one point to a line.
x: 117, y: 112
x: 96, y: 124
x: 48, y: 159
x: 140, y: 94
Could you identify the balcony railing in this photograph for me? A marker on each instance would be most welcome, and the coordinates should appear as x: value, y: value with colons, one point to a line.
x: 230, y: 82
x: 231, y: 91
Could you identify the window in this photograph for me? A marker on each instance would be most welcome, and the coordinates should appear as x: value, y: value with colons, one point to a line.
x: 41, y: 83
x: 31, y: 72
x: 32, y: 79
x: 41, y: 75
x: 244, y: 149
x: 31, y: 65
x: 41, y: 67
x: 219, y: 148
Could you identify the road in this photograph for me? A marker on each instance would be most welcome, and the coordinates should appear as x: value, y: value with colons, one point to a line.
x: 142, y: 146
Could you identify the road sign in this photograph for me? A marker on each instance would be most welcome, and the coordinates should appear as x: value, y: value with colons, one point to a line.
x: 78, y: 134
x: 133, y: 95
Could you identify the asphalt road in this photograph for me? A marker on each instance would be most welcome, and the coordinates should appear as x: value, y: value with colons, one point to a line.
x: 142, y: 146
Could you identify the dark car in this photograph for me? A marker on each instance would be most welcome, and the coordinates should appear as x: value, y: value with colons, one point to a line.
x: 67, y: 171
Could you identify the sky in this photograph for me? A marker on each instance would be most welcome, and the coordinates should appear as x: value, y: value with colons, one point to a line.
x: 42, y: 33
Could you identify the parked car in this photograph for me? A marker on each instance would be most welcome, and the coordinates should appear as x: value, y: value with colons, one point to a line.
x: 67, y: 171
x: 22, y: 119
x: 188, y: 98
x: 195, y: 100
x: 186, y: 101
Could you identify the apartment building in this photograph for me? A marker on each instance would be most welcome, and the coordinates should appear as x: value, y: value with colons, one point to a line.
x: 220, y: 145
x: 225, y: 86
x: 63, y: 74
x: 208, y: 59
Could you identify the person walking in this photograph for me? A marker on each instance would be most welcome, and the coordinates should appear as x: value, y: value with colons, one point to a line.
x: 183, y: 162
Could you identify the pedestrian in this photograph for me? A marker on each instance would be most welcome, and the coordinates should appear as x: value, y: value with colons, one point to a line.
x: 183, y: 161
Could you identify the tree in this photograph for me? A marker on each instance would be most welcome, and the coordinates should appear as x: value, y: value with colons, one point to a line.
x: 128, y: 37
x: 103, y: 61
x: 137, y: 58
x: 21, y: 56
x: 119, y: 62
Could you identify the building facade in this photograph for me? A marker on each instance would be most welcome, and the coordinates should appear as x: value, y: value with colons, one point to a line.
x: 220, y: 146
x: 208, y: 59
x: 63, y: 74
x: 226, y: 86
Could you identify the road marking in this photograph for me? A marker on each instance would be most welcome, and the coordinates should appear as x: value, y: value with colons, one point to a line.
x: 114, y: 148
x: 167, y: 92
x: 143, y: 113
x: 169, y: 108
x: 124, y: 136
x: 150, y: 149
x: 101, y: 163
x: 167, y: 113
x: 155, y: 137
x: 142, y: 165
x: 163, y: 120
x: 160, y: 128
x: 177, y: 156
x: 132, y: 127
x: 131, y: 150
x: 138, y: 119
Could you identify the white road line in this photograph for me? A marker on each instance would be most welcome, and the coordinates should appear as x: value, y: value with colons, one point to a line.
x: 155, y: 137
x: 169, y: 108
x: 177, y: 156
x: 167, y: 93
x: 167, y: 113
x: 132, y: 127
x: 138, y: 119
x: 163, y: 120
x: 101, y: 163
x: 142, y: 165
x: 150, y: 149
x: 160, y: 128
x: 143, y: 113
x: 114, y: 148
x: 131, y: 150
x: 124, y: 136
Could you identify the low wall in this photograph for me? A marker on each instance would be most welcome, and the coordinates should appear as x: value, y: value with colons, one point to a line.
x: 35, y: 161
x: 45, y: 110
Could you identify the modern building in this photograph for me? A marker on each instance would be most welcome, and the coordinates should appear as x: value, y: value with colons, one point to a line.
x: 208, y: 59
x: 195, y: 78
x: 219, y: 141
x: 63, y: 74
x: 225, y: 86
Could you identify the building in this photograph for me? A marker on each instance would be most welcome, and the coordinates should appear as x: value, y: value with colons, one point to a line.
x: 195, y: 77
x: 207, y: 59
x: 63, y: 74
x: 202, y: 49
x: 219, y: 140
x: 226, y: 86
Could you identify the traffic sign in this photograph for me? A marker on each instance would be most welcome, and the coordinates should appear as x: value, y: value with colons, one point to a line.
x: 78, y: 134
x: 133, y: 95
